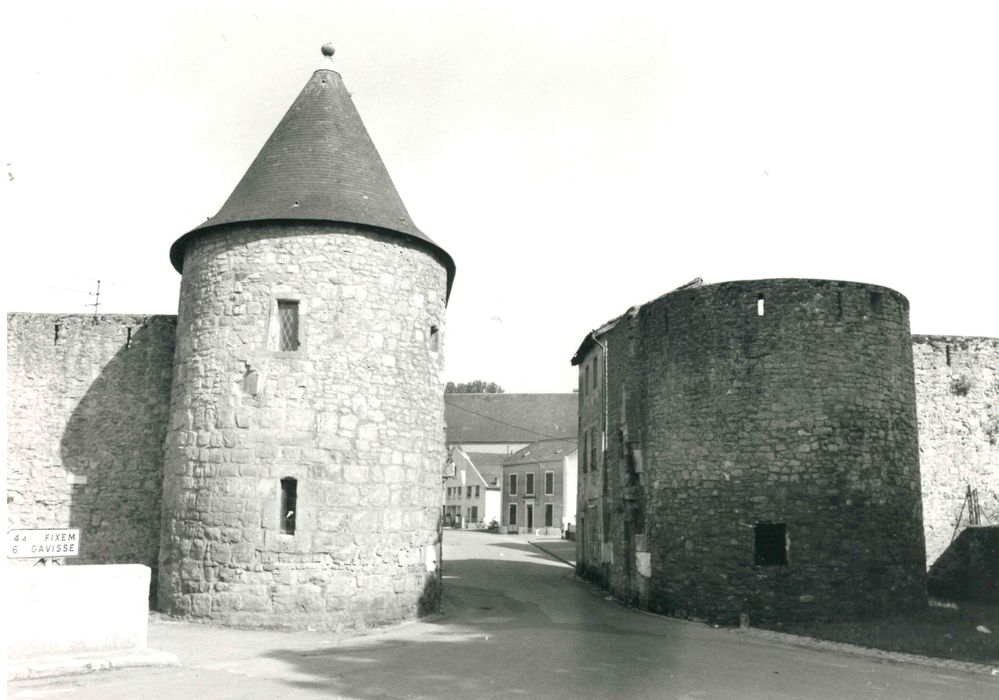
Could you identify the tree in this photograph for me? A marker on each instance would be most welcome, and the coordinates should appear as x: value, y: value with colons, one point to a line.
x: 479, y: 386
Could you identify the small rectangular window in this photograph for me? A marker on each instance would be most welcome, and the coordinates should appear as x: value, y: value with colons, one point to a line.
x: 512, y: 514
x: 287, y: 325
x: 549, y: 514
x: 876, y: 300
x: 289, y: 503
x: 759, y: 305
x: 513, y: 484
x: 549, y: 483
x: 468, y: 492
x: 476, y: 491
x: 529, y: 487
x: 770, y: 544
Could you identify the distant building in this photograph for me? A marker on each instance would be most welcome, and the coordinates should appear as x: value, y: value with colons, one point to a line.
x: 539, y: 488
x: 472, y: 496
x: 505, y: 423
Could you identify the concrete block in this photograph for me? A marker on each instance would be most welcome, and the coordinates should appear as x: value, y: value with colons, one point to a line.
x: 75, y: 609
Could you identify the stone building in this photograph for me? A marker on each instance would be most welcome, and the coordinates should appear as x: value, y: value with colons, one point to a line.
x: 539, y: 488
x: 753, y: 448
x: 304, y: 421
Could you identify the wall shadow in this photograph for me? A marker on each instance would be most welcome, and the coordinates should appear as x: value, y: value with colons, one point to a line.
x: 968, y: 570
x: 112, y: 446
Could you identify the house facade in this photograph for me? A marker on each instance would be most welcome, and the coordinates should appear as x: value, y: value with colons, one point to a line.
x: 472, y: 495
x: 539, y: 488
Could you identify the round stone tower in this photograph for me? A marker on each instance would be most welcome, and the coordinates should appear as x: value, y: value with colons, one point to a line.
x: 302, y: 477
x: 782, y: 442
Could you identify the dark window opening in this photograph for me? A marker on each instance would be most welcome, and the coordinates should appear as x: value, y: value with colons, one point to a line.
x: 512, y: 516
x: 770, y: 545
x: 128, y: 338
x: 549, y: 514
x: 759, y: 305
x: 876, y: 298
x: 287, y: 326
x: 947, y: 349
x: 435, y: 339
x: 513, y: 484
x: 839, y: 304
x: 529, y: 488
x: 549, y: 483
x: 530, y: 517
x: 57, y: 327
x: 289, y: 502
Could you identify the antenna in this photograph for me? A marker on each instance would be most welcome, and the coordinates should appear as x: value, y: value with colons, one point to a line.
x: 97, y: 298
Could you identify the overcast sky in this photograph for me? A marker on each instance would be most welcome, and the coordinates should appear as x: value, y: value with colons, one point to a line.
x: 574, y: 158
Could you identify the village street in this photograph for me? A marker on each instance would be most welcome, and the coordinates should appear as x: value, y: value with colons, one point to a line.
x: 516, y: 624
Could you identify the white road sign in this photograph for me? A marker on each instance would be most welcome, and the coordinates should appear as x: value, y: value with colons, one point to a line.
x: 46, y: 543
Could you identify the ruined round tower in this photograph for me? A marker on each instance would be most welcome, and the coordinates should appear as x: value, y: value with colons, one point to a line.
x: 302, y: 476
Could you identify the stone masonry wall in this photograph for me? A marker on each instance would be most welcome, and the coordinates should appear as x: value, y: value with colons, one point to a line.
x: 720, y: 419
x: 87, y: 405
x: 355, y: 415
x: 957, y: 393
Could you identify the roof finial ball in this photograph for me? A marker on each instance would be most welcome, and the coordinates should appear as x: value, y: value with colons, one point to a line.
x: 328, y: 50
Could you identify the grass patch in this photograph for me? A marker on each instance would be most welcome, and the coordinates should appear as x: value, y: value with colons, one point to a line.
x: 946, y: 631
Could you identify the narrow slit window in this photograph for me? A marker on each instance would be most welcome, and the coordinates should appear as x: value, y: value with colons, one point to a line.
x: 876, y: 300
x: 948, y: 355
x: 57, y: 328
x: 128, y: 338
x: 549, y: 483
x: 435, y: 339
x: 770, y: 544
x: 839, y: 304
x: 289, y: 504
x: 759, y: 305
x: 287, y: 326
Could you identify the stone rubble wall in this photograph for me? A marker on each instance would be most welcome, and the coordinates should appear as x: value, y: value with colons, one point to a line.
x: 719, y: 419
x: 87, y: 406
x: 957, y: 393
x: 356, y: 416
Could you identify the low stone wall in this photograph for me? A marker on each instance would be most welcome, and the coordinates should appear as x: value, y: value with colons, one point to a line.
x: 957, y: 403
x: 75, y: 609
x: 87, y: 405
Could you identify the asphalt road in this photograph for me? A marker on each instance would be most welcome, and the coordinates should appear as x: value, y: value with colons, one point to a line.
x: 516, y: 624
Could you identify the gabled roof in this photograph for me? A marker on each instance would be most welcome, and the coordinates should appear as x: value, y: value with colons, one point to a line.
x: 489, y: 465
x: 504, y: 418
x: 319, y: 165
x: 542, y: 451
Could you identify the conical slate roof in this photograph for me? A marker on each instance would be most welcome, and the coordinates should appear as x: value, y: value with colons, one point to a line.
x: 319, y: 165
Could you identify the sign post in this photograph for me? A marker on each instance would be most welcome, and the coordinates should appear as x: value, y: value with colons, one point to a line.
x: 44, y: 543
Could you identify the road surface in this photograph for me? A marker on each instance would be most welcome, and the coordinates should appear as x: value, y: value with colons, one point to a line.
x: 516, y: 624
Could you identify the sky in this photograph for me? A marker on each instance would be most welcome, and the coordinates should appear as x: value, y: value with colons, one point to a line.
x: 574, y: 158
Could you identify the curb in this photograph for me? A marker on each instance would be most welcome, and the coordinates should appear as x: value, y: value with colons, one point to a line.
x: 813, y: 642
x: 49, y: 666
x: 880, y: 654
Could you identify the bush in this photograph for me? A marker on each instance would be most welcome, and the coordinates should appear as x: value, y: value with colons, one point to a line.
x: 960, y: 386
